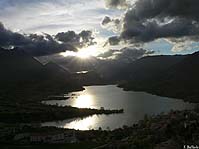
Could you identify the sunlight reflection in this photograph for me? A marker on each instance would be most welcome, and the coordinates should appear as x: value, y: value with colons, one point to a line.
x: 82, y: 124
x: 84, y: 101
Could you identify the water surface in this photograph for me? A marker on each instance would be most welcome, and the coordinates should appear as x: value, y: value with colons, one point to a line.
x: 135, y: 105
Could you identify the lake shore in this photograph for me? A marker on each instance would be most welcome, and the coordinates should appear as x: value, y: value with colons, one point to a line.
x: 171, y: 130
x: 134, y: 86
x: 28, y: 113
x: 135, y: 105
x: 158, y: 92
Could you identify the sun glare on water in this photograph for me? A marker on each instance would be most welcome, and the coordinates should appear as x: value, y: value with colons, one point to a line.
x: 84, y: 101
x: 83, y: 53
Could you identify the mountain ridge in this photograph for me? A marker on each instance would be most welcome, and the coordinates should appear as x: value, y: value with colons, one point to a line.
x: 179, y: 80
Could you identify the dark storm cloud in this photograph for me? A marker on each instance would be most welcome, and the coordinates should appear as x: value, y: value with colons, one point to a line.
x: 8, y: 37
x: 86, y: 38
x: 114, y: 40
x: 139, y: 32
x: 39, y: 45
x: 109, y: 21
x: 79, y: 40
x: 106, y: 20
x: 116, y: 4
x: 145, y: 9
x: 148, y: 20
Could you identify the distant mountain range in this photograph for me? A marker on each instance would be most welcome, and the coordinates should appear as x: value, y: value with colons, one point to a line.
x: 166, y: 75
x: 173, y: 76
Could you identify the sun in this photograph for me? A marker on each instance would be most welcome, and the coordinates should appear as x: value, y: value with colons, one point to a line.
x: 83, y: 53
x: 87, y: 52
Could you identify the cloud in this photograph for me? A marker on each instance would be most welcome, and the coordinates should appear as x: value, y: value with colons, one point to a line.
x: 126, y: 54
x: 114, y: 40
x: 108, y: 54
x: 79, y: 40
x: 39, y: 45
x: 181, y: 44
x: 149, y: 31
x: 120, y: 4
x: 112, y: 24
x: 132, y: 54
x: 106, y: 20
x: 145, y: 9
x: 148, y: 20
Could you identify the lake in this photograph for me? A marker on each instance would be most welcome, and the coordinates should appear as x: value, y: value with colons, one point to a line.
x: 135, y: 104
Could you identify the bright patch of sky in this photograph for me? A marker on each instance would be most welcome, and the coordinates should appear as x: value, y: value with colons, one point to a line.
x: 159, y: 46
x: 53, y: 16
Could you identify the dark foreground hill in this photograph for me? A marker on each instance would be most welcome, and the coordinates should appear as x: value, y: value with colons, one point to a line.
x: 172, y: 76
x: 22, y: 75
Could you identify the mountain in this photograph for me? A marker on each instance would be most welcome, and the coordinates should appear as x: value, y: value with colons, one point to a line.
x: 24, y: 76
x: 151, y: 66
x: 16, y: 65
x: 172, y: 76
x: 182, y: 79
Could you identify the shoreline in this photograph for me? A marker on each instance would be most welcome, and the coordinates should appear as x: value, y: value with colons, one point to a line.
x: 42, y: 113
x: 147, y: 132
x: 185, y: 99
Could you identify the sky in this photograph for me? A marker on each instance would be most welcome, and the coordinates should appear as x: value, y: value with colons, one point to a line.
x: 161, y: 26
